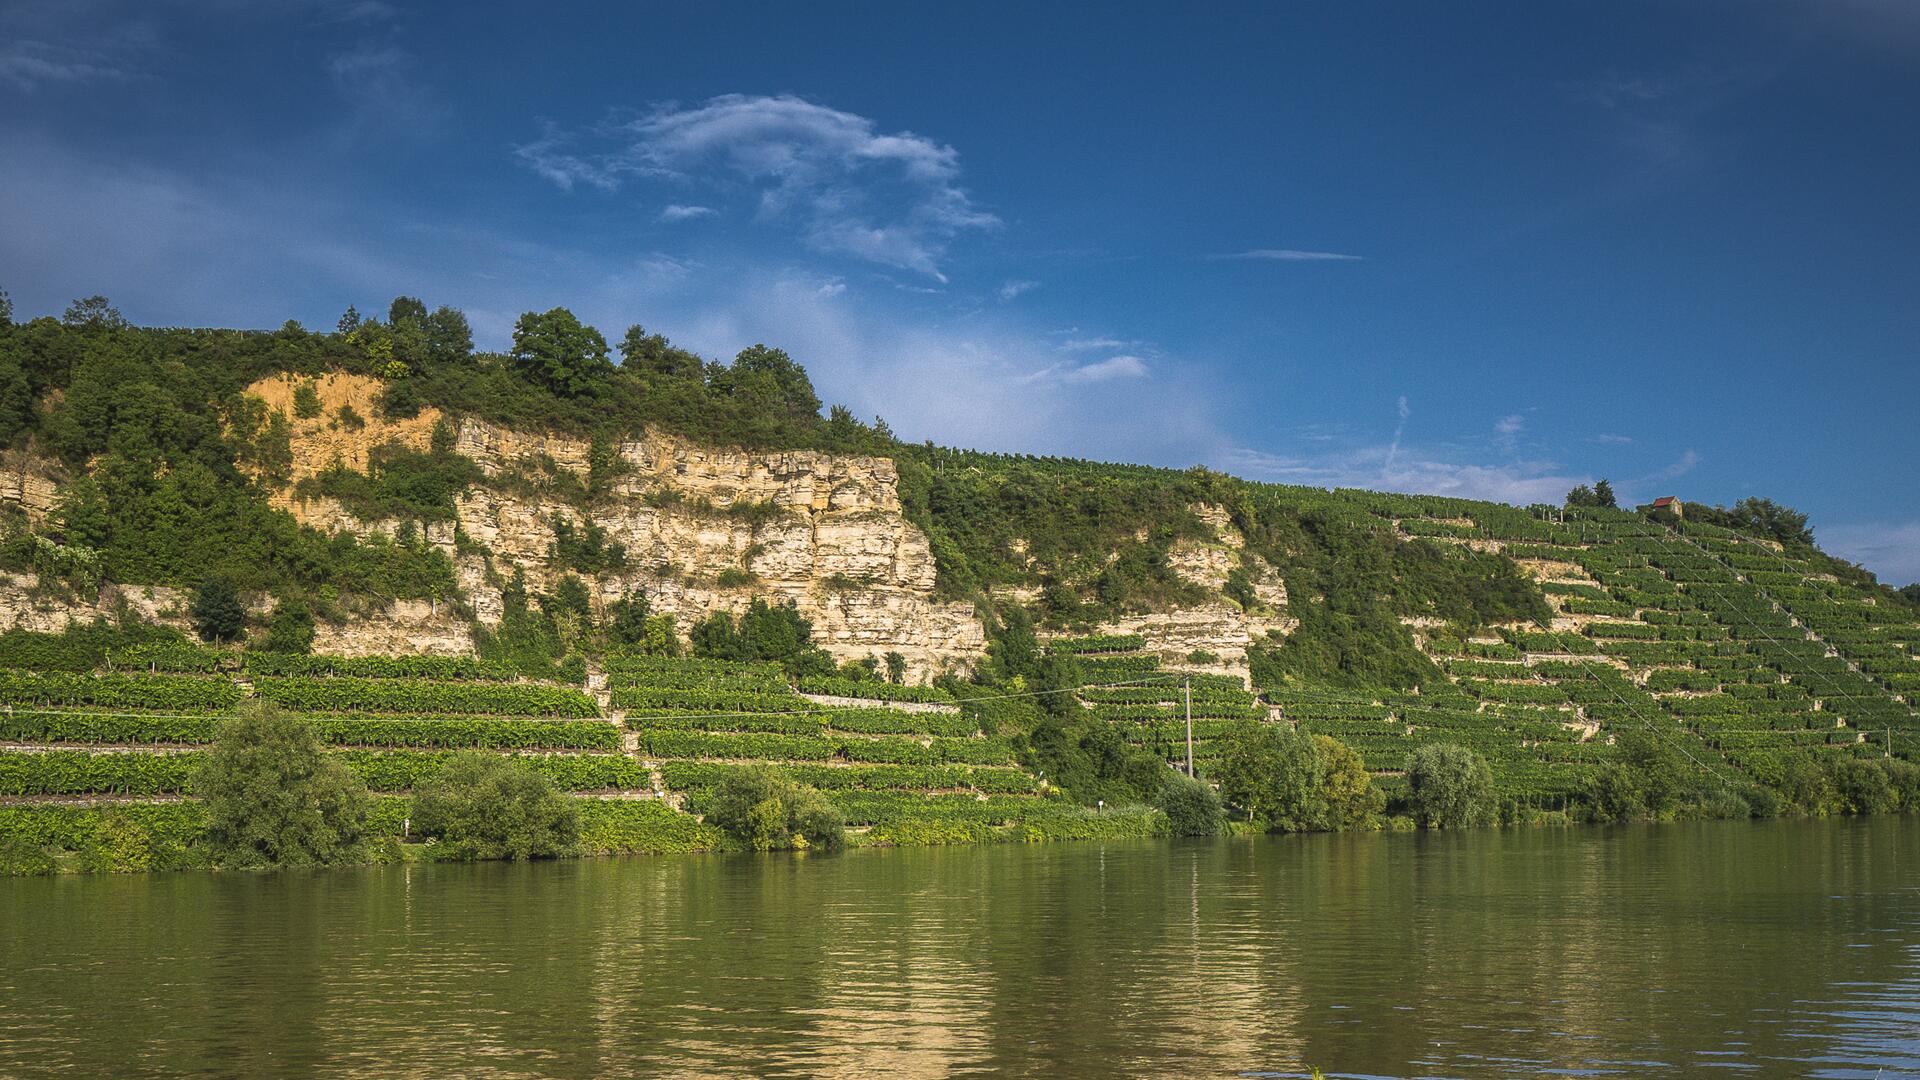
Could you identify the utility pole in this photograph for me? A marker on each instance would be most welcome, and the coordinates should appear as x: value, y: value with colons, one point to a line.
x: 1186, y: 691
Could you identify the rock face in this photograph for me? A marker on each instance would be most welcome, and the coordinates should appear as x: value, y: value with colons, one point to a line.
x: 1219, y: 628
x: 29, y: 484
x: 703, y: 530
x: 24, y: 605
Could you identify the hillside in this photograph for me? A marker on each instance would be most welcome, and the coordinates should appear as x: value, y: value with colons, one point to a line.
x: 423, y: 547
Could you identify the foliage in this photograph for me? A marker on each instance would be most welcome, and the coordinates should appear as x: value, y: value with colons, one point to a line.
x: 274, y: 797
x: 1348, y: 798
x: 1449, y: 787
x: 765, y: 810
x: 483, y: 806
x: 873, y: 689
x: 290, y: 628
x: 1192, y: 806
x: 1273, y: 776
x: 1757, y: 516
x: 764, y: 632
x: 556, y: 351
x: 217, y: 612
x: 1599, y: 495
x: 344, y: 694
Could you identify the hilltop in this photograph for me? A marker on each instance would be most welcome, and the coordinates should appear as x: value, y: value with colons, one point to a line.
x: 564, y: 525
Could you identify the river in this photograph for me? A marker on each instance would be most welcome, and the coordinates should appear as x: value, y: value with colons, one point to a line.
x: 1781, y: 948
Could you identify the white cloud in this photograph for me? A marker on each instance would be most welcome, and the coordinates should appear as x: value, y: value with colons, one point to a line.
x: 831, y: 288
x: 1510, y: 425
x: 1890, y: 549
x: 1290, y: 255
x: 30, y: 65
x: 1118, y: 367
x: 892, y: 199
x: 1389, y: 469
x: 1095, y: 344
x: 1681, y: 467
x: 1012, y: 289
x: 1613, y: 440
x: 681, y: 212
x: 378, y: 80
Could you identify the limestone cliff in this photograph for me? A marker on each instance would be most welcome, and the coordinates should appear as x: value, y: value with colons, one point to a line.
x: 702, y: 529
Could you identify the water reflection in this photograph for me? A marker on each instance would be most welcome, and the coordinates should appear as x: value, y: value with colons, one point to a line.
x: 1763, y: 948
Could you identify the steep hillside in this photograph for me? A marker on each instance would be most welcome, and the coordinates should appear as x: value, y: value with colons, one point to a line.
x: 423, y: 547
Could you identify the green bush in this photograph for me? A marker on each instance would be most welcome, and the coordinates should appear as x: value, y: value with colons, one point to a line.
x: 1192, y: 806
x: 217, y: 612
x: 1449, y: 787
x: 1348, y: 798
x: 484, y: 806
x: 1272, y: 775
x: 273, y: 796
x: 766, y: 810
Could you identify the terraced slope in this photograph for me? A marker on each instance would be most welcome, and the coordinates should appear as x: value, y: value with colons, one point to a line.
x: 1724, y: 646
x: 653, y: 731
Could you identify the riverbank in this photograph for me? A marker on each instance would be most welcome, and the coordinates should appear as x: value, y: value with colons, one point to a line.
x: 135, y: 837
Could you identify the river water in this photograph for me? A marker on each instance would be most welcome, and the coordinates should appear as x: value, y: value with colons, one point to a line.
x: 1766, y: 949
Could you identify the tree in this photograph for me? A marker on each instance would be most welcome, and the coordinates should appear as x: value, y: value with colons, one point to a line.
x: 770, y: 377
x: 653, y: 355
x: 406, y: 309
x: 273, y: 796
x: 555, y: 350
x: 349, y: 321
x: 1769, y: 518
x: 449, y: 338
x: 1581, y: 496
x: 896, y: 667
x: 1348, y: 798
x: 766, y: 810
x: 290, y: 628
x: 1449, y: 787
x: 6, y: 309
x: 93, y: 313
x: 1192, y: 806
x: 1273, y: 775
x: 1911, y: 593
x: 217, y: 612
x: 1603, y: 495
x: 485, y: 806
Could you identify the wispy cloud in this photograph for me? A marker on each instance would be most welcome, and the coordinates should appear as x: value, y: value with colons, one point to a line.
x: 1289, y: 255
x: 1386, y: 468
x: 30, y: 65
x: 1011, y: 289
x: 1680, y: 467
x: 378, y: 79
x: 1890, y: 549
x: 1109, y: 370
x: 683, y: 212
x: 1096, y: 344
x: 1510, y: 425
x: 892, y: 199
x: 1118, y: 367
x: 1613, y: 440
x: 1399, y: 429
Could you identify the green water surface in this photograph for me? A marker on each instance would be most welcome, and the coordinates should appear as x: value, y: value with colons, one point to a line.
x: 1763, y: 949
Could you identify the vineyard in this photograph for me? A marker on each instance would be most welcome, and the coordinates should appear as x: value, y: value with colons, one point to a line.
x: 642, y: 748
x: 1746, y: 658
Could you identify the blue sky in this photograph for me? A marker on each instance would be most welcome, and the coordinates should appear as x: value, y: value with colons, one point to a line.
x: 1482, y: 250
